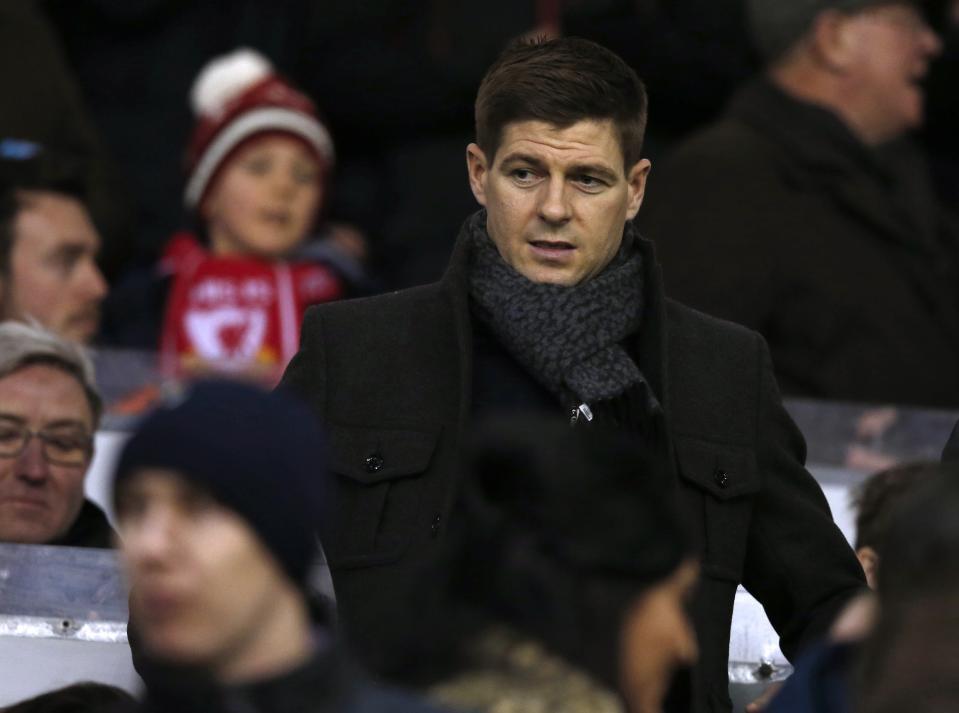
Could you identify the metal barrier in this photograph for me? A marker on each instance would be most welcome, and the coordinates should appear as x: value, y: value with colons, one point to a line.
x: 63, y: 619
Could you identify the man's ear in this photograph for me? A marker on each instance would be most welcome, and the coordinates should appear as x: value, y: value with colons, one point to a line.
x: 478, y: 172
x: 636, y: 186
x: 831, y: 38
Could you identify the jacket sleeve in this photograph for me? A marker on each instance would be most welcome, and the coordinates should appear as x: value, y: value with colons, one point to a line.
x: 306, y: 374
x: 798, y: 563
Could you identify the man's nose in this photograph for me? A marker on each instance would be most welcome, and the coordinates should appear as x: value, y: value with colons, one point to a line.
x: 31, y: 465
x: 94, y: 284
x: 554, y: 202
x: 149, y: 540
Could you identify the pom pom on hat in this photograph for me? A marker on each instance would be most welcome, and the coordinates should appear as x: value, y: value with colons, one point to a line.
x: 236, y: 97
x: 225, y: 78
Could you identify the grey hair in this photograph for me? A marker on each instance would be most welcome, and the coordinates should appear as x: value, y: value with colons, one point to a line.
x: 23, y: 345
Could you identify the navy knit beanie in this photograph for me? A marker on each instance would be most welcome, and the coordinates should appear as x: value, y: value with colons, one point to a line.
x: 260, y: 454
x: 776, y: 25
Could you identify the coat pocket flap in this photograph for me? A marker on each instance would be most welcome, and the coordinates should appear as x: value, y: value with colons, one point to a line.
x: 724, y: 471
x: 374, y: 455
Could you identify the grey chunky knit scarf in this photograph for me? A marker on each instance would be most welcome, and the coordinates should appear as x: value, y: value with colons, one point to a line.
x: 569, y: 338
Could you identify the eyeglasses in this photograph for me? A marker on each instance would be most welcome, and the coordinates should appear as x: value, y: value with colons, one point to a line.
x: 59, y: 446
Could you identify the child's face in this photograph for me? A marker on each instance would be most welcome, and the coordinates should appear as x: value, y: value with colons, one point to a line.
x: 265, y: 199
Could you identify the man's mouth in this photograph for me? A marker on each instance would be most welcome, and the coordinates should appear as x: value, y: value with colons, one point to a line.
x: 25, y: 502
x: 554, y: 248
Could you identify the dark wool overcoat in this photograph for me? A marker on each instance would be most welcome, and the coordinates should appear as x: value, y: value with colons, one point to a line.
x: 779, y: 218
x: 391, y: 378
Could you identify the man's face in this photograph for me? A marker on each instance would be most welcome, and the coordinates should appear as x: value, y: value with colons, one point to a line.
x: 557, y: 199
x: 202, y: 583
x: 657, y: 639
x: 265, y: 200
x: 40, y: 499
x: 53, y: 276
x: 890, y: 48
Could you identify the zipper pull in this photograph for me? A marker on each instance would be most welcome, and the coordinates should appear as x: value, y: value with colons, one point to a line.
x: 584, y: 411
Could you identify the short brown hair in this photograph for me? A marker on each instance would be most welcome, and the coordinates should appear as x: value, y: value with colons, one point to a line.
x: 881, y: 495
x: 561, y: 82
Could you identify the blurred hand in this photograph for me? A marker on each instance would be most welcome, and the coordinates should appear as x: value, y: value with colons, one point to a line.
x: 856, y: 621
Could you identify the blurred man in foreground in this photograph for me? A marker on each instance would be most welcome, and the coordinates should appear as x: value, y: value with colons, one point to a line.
x: 218, y: 499
x: 49, y: 411
x: 578, y: 603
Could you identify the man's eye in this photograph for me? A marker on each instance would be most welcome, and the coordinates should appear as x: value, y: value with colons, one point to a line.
x: 10, y: 435
x: 197, y: 503
x: 65, y: 444
x: 523, y: 175
x: 587, y: 181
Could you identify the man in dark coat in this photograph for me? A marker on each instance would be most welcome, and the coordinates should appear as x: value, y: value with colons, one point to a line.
x: 801, y: 216
x: 553, y: 303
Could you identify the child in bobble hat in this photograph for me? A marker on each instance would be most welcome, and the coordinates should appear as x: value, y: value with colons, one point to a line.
x: 258, y: 165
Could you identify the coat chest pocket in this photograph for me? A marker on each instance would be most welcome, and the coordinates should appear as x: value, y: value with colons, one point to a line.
x: 378, y: 479
x: 720, y: 482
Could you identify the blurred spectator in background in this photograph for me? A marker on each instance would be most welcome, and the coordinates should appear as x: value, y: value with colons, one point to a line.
x: 911, y: 661
x: 79, y: 698
x: 49, y: 410
x: 876, y: 502
x: 218, y: 496
x: 822, y: 680
x: 570, y: 574
x: 803, y: 215
x: 43, y: 104
x: 258, y: 162
x: 48, y: 244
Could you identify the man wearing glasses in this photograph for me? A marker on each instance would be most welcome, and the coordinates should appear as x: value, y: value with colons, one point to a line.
x: 49, y: 410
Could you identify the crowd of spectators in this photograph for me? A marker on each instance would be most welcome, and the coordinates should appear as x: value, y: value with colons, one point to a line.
x: 537, y: 481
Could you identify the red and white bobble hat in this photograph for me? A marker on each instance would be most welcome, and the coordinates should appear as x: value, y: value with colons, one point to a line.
x: 236, y: 97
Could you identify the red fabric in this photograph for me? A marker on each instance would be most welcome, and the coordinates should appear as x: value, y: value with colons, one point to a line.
x: 269, y: 91
x: 240, y: 315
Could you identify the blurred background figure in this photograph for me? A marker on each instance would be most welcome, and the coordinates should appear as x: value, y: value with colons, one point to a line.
x: 44, y: 104
x: 48, y: 244
x: 911, y: 661
x: 49, y: 411
x: 78, y: 698
x: 258, y: 166
x: 570, y: 575
x: 804, y: 213
x: 218, y: 495
x: 824, y: 677
x: 231, y: 292
x: 875, y: 504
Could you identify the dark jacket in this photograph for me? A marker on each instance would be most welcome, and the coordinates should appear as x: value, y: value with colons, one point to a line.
x: 821, y: 683
x: 327, y: 683
x: 780, y: 219
x: 90, y: 529
x: 391, y: 377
